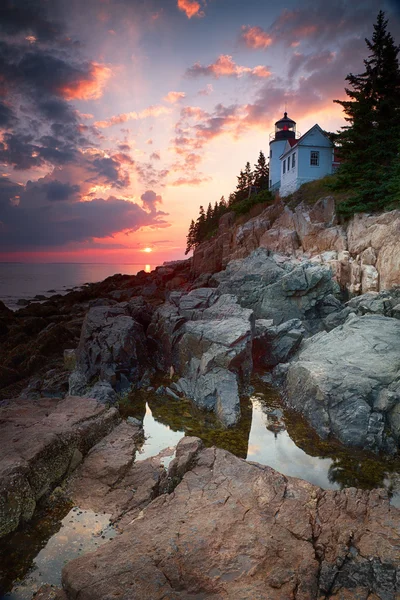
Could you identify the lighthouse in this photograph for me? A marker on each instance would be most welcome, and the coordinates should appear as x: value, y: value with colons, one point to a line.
x: 285, y: 129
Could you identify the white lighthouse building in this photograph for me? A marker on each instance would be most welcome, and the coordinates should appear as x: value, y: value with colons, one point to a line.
x: 285, y: 129
x: 294, y: 159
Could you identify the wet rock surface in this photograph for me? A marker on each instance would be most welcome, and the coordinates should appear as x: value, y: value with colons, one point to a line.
x: 346, y: 382
x: 109, y: 480
x: 232, y: 529
x: 42, y: 441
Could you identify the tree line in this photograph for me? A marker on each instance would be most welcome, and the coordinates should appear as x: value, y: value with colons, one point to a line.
x: 251, y: 189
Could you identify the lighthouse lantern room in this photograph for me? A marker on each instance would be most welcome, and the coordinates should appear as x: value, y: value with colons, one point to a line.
x: 285, y: 129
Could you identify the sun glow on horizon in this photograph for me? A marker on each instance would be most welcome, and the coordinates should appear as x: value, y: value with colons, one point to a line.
x: 147, y: 249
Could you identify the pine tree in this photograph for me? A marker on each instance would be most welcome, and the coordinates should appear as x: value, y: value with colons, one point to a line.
x: 368, y: 145
x: 261, y: 172
x: 248, y: 173
x: 191, y: 237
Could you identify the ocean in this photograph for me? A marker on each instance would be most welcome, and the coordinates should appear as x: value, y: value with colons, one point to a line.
x: 25, y: 280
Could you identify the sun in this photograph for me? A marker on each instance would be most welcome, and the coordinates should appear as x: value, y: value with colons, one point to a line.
x: 147, y: 249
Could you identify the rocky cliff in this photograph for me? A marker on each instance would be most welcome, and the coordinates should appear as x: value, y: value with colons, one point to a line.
x: 363, y: 253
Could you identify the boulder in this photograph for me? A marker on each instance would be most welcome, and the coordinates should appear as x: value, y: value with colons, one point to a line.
x: 112, y: 349
x: 275, y: 344
x: 207, y: 338
x: 338, y: 379
x: 233, y: 529
x: 39, y: 440
x: 276, y: 289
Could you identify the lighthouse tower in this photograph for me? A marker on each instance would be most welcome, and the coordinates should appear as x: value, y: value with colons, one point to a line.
x: 285, y: 129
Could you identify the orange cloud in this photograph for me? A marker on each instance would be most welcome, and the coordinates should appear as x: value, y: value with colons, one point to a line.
x: 151, y: 111
x: 90, y: 88
x: 255, y: 37
x: 191, y: 8
x: 225, y: 66
x: 173, y: 97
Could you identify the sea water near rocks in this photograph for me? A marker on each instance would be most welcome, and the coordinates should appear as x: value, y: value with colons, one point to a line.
x: 25, y: 280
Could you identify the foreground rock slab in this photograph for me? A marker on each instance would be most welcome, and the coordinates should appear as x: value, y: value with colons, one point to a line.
x: 109, y: 480
x: 346, y: 382
x: 233, y: 529
x: 42, y: 441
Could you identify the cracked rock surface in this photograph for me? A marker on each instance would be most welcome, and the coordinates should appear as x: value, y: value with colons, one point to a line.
x: 238, y: 530
x: 42, y: 441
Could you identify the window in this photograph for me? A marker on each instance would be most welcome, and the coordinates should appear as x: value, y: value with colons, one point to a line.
x: 284, y: 166
x: 293, y: 160
x: 314, y: 158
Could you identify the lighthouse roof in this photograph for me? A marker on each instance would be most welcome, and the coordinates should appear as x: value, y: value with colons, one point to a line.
x: 285, y: 121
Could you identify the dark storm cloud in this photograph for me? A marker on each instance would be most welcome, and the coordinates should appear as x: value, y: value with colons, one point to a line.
x: 19, y: 151
x: 55, y: 190
x: 55, y: 109
x: 27, y: 16
x: 110, y: 170
x: 36, y: 220
x: 7, y: 116
x: 38, y: 81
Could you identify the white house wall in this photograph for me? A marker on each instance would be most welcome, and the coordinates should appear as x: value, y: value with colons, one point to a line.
x: 276, y: 147
x: 290, y: 177
x: 304, y: 172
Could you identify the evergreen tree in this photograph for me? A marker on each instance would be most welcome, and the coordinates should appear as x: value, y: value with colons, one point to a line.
x: 261, y: 172
x: 248, y: 173
x: 191, y: 237
x: 368, y: 145
x: 200, y: 226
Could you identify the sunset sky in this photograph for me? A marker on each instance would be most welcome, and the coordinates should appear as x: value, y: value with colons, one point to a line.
x: 119, y: 118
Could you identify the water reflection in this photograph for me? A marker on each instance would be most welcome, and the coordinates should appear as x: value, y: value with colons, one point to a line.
x: 267, y: 433
x: 36, y: 554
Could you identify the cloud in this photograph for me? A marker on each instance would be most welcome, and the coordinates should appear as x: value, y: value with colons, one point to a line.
x: 150, y: 200
x: 206, y: 91
x: 255, y: 37
x: 309, y: 63
x: 173, y: 97
x: 151, y: 111
x: 225, y: 66
x: 40, y: 222
x: 55, y: 190
x: 155, y: 156
x: 191, y: 8
x: 89, y: 87
x: 196, y: 180
x: 7, y: 116
x: 23, y: 16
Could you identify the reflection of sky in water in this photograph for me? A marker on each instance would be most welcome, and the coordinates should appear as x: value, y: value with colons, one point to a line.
x: 158, y: 436
x: 281, y: 453
x: 81, y: 531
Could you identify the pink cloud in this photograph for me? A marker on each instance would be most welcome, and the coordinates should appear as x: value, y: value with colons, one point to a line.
x: 151, y: 111
x: 191, y: 8
x: 196, y: 180
x: 173, y: 97
x: 255, y: 37
x: 225, y: 66
x: 88, y: 88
